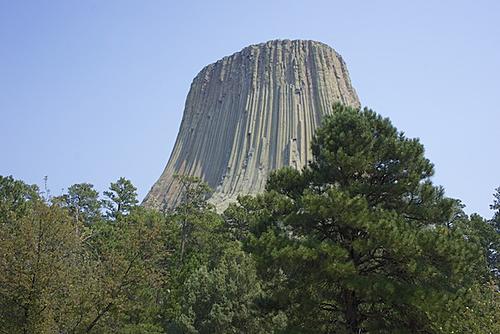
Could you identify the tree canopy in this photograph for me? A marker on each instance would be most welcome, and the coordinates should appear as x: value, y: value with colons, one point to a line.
x: 359, y: 241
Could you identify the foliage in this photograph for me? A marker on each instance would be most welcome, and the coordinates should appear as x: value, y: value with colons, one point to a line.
x: 56, y: 279
x: 491, y: 238
x: 496, y: 206
x: 121, y: 198
x: 361, y: 241
x: 83, y: 203
x: 222, y: 299
x: 15, y: 198
x: 39, y: 267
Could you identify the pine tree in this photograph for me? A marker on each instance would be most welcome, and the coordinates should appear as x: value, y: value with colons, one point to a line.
x: 361, y: 241
x: 121, y: 198
x: 221, y: 298
x: 493, y: 238
x: 496, y: 206
x: 83, y: 202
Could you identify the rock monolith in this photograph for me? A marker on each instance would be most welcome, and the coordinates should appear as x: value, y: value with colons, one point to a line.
x: 250, y: 113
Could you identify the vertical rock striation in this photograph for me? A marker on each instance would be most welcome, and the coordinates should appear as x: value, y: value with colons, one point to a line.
x: 250, y: 113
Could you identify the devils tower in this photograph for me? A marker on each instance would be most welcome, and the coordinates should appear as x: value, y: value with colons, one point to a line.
x: 250, y: 113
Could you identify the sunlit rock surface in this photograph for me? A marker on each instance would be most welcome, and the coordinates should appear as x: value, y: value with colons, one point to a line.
x: 250, y: 113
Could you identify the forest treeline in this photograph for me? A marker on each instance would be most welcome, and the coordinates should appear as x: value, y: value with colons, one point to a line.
x: 359, y: 241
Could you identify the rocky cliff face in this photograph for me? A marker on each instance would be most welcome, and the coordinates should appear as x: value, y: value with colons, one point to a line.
x: 250, y: 113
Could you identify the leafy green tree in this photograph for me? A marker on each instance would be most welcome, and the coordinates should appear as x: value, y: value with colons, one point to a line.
x: 83, y: 202
x: 42, y: 275
x: 15, y: 197
x: 496, y: 206
x: 484, y: 233
x: 361, y: 241
x: 127, y: 256
x: 212, y: 285
x: 192, y: 207
x: 236, y: 221
x: 191, y: 232
x: 121, y: 198
x: 54, y: 279
x: 222, y: 298
x: 492, y: 238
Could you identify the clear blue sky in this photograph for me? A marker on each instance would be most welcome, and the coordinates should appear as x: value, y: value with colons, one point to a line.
x: 94, y: 90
